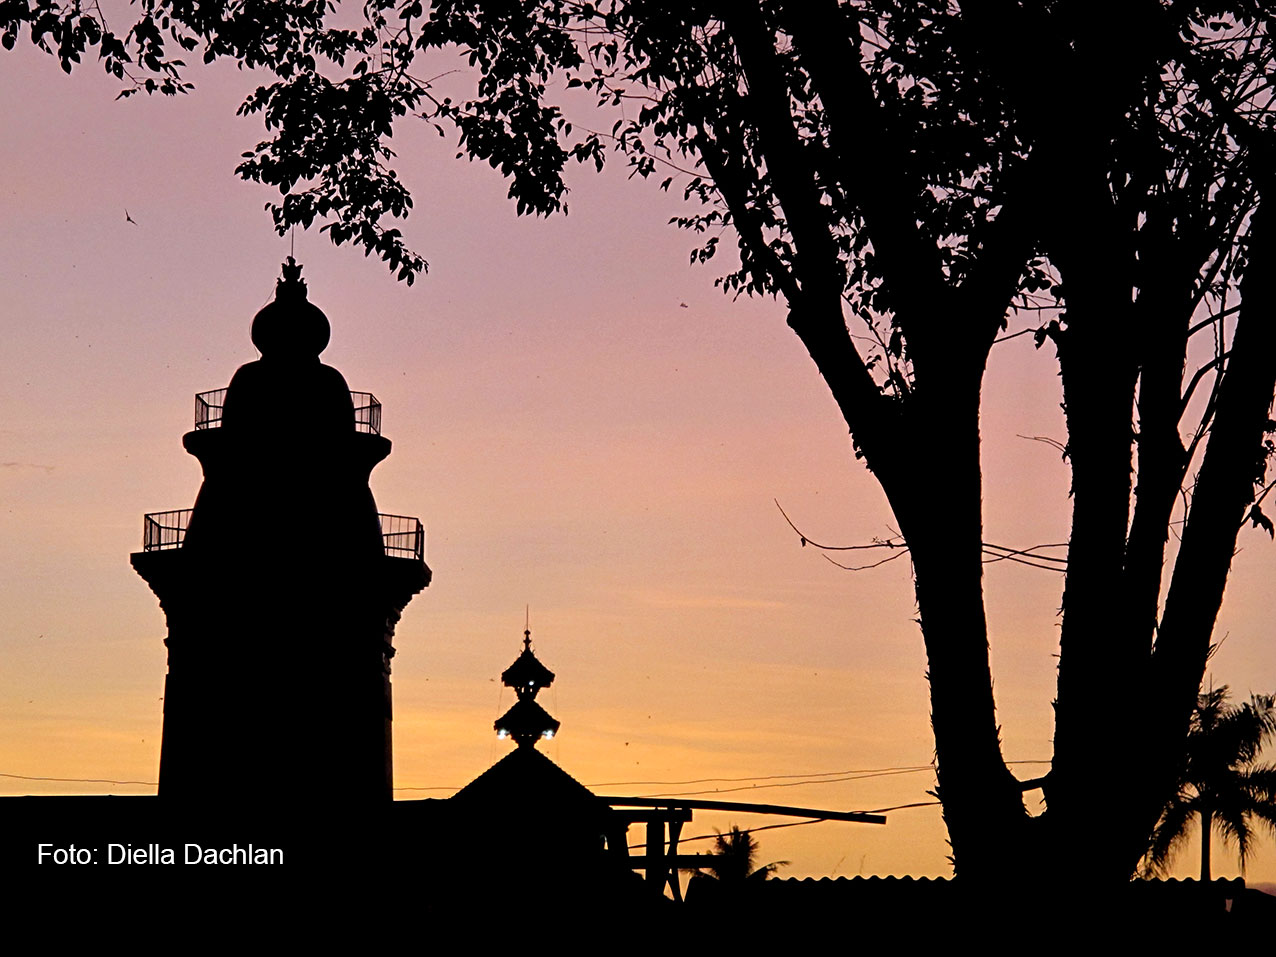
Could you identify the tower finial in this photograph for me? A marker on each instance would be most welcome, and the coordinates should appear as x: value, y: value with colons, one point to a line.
x: 291, y: 286
x: 527, y: 627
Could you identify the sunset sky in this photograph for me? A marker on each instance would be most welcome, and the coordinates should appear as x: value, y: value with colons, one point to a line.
x: 586, y: 426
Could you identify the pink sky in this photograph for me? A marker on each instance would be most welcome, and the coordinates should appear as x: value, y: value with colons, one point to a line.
x: 573, y: 438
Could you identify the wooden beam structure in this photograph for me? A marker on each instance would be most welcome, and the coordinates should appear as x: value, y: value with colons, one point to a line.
x: 858, y: 817
x: 655, y: 814
x: 661, y: 860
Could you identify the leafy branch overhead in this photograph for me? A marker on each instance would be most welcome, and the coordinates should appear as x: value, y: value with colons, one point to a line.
x: 338, y: 91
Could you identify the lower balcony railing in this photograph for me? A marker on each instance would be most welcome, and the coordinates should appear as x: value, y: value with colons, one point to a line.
x: 161, y: 530
x: 403, y: 536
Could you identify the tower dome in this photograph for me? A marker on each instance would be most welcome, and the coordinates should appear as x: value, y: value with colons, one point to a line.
x: 290, y: 326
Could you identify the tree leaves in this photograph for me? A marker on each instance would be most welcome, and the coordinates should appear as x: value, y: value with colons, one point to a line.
x: 1259, y: 520
x: 328, y: 151
x: 329, y: 156
x: 1222, y: 781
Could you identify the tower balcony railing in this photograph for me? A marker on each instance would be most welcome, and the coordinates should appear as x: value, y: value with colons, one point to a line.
x: 367, y: 411
x: 402, y: 536
x: 208, y: 409
x: 164, y: 530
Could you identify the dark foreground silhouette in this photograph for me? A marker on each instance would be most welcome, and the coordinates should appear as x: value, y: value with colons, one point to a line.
x: 283, y: 585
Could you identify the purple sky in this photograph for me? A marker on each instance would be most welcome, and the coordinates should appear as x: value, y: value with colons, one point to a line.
x: 574, y: 438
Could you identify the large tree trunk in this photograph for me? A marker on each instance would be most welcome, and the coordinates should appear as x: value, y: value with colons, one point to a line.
x: 982, y: 801
x: 1087, y: 788
x: 1234, y: 459
x: 1123, y: 709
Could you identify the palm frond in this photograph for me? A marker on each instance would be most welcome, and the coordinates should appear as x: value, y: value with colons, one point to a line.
x: 1220, y: 779
x: 1171, y: 834
x: 733, y: 855
x: 1231, y: 820
x: 1260, y: 782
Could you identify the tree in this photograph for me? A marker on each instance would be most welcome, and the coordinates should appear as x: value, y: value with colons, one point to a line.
x: 735, y: 854
x: 914, y: 170
x: 1222, y: 782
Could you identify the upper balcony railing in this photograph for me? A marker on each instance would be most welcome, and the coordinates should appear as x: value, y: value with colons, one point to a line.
x: 208, y: 409
x: 402, y: 535
x: 367, y: 411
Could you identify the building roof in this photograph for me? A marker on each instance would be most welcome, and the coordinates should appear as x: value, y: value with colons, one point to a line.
x: 526, y: 778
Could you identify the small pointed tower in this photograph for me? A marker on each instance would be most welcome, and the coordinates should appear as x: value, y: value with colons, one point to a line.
x: 283, y: 584
x: 526, y: 722
x: 528, y: 827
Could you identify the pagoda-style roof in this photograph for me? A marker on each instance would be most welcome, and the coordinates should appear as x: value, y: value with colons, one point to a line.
x: 525, y: 722
x: 527, y: 672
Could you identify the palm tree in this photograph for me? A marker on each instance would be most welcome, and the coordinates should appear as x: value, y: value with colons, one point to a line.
x: 733, y: 856
x: 1222, y: 782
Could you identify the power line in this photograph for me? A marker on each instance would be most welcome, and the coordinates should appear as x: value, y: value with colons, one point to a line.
x: 760, y: 777
x: 743, y: 830
x: 79, y: 780
x: 755, y: 777
x: 827, y: 777
x: 853, y: 773
x: 794, y: 784
x: 437, y: 787
x: 900, y: 807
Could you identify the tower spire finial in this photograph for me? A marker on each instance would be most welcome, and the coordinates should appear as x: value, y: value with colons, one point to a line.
x: 291, y: 286
x: 526, y: 722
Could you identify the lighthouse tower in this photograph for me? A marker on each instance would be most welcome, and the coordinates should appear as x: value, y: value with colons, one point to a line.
x: 283, y: 584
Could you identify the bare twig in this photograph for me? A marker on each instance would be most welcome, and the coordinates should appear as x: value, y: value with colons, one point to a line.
x: 1030, y: 556
x: 1200, y: 374
x: 1053, y: 443
x: 888, y: 543
x: 1021, y: 332
x: 860, y: 568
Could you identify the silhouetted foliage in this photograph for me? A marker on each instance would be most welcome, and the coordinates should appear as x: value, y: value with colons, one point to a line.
x: 920, y: 172
x: 1223, y: 783
x: 734, y: 858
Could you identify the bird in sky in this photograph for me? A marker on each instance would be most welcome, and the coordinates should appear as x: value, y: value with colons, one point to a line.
x: 129, y: 219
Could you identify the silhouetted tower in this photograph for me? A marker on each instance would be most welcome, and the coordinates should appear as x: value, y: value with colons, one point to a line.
x: 526, y: 722
x: 282, y: 586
